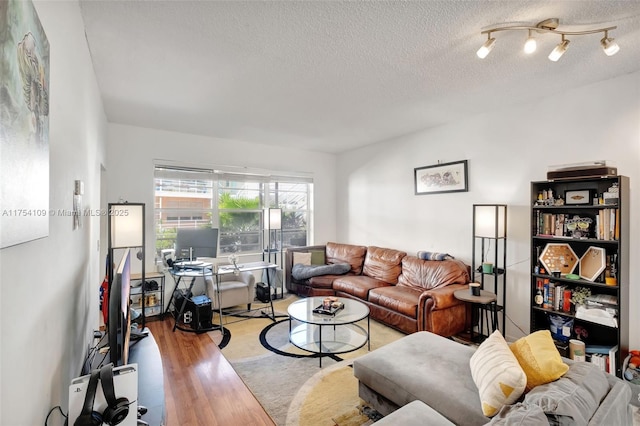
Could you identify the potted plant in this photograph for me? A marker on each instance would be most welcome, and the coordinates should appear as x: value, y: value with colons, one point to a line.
x: 579, y: 296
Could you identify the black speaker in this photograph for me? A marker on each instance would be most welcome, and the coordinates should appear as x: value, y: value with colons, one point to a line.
x: 117, y: 408
x: 263, y: 293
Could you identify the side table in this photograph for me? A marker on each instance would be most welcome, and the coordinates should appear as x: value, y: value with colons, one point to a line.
x: 487, y: 301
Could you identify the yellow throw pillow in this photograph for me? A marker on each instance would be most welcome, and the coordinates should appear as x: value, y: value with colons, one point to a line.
x: 303, y: 258
x: 539, y: 358
x: 497, y: 374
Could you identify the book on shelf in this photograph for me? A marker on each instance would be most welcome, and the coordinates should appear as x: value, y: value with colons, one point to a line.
x: 604, y: 356
x: 607, y: 227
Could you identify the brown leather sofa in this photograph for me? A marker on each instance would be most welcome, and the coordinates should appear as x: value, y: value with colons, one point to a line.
x: 402, y: 291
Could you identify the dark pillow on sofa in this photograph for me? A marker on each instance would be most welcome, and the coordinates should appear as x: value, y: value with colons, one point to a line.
x: 303, y: 272
x: 573, y: 398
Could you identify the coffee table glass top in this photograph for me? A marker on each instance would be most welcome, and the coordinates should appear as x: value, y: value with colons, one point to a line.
x: 342, y: 332
x: 353, y: 311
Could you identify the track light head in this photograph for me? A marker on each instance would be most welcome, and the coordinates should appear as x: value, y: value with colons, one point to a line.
x: 530, y: 45
x: 559, y: 50
x: 486, y: 47
x: 609, y: 45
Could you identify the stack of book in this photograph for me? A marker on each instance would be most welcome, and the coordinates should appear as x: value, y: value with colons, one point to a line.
x: 603, y: 356
x: 607, y: 227
x: 556, y: 297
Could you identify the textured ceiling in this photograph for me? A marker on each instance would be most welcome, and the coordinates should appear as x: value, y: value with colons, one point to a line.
x: 336, y: 75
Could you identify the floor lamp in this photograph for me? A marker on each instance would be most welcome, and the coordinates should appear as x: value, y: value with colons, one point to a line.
x: 490, y: 226
x: 126, y: 230
x: 273, y: 224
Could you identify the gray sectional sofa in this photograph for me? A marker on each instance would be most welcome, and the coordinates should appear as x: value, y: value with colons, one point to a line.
x: 435, y: 370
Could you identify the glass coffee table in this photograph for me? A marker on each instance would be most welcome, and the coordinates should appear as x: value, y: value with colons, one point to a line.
x: 328, y: 334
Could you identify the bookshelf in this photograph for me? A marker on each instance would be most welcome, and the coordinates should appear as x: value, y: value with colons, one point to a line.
x: 579, y: 245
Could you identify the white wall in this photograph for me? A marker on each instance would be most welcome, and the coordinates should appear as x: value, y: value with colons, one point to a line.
x: 49, y: 287
x: 132, y: 151
x: 506, y: 150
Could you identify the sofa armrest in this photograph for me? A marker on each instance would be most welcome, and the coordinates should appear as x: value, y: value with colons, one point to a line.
x: 440, y: 299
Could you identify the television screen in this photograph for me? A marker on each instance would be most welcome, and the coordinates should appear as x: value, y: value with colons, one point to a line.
x: 119, y: 320
x: 194, y: 243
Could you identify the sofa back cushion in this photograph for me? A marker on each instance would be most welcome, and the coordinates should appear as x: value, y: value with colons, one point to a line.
x: 346, y: 253
x: 383, y: 264
x: 430, y: 274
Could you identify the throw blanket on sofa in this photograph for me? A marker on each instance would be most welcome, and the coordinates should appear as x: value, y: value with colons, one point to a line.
x: 432, y: 255
x: 303, y: 272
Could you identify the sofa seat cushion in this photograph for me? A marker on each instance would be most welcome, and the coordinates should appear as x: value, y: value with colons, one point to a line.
x: 429, y: 274
x: 358, y: 285
x: 383, y: 264
x: 398, y: 299
x: 323, y: 281
x: 346, y: 253
x: 427, y: 367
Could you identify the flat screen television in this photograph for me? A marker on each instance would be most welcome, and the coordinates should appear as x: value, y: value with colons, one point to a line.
x: 194, y: 243
x: 119, y: 318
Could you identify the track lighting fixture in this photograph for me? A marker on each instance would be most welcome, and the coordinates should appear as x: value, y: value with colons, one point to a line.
x: 486, y: 47
x: 609, y: 45
x: 559, y: 50
x: 530, y: 45
x: 548, y: 26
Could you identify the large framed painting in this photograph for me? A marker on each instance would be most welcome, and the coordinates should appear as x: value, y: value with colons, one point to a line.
x: 444, y: 177
x: 24, y: 124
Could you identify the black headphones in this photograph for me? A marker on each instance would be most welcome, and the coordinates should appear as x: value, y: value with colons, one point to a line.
x: 117, y: 408
x: 87, y: 416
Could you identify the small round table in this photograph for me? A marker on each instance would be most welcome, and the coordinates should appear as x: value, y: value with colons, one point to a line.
x: 343, y: 336
x: 487, y: 301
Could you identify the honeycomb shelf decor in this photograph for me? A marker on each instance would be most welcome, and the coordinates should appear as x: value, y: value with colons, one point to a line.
x: 559, y: 257
x: 592, y: 263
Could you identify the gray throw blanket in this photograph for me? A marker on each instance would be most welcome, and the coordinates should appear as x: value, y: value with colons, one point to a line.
x: 303, y: 272
x: 432, y: 255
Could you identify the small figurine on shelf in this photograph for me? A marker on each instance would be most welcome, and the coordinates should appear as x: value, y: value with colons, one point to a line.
x: 581, y: 332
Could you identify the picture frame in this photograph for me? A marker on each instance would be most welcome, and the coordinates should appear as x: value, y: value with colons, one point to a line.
x: 578, y: 197
x: 439, y: 178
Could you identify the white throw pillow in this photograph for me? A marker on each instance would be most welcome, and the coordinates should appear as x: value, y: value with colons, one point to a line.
x: 303, y: 258
x: 497, y: 373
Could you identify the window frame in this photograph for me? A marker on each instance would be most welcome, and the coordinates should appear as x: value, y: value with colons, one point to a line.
x: 268, y: 192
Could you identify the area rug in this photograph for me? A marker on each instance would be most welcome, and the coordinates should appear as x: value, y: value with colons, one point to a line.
x: 288, y: 381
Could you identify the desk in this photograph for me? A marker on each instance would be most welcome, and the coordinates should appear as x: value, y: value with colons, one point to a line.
x: 208, y: 270
x: 486, y: 301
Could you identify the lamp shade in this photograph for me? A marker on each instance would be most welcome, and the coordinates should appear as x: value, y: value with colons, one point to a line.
x: 490, y: 220
x: 126, y: 225
x: 273, y: 219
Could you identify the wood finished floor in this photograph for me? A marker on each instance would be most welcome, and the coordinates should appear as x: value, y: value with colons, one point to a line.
x: 201, y: 387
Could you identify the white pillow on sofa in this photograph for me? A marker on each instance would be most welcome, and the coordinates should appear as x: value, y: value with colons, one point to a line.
x: 302, y: 258
x: 497, y: 374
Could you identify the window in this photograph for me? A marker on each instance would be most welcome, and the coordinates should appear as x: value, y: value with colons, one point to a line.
x: 231, y: 202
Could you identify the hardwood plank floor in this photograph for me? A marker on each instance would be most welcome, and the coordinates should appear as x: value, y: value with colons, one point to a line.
x: 201, y: 387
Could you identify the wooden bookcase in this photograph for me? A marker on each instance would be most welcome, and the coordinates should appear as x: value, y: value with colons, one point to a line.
x: 585, y: 234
